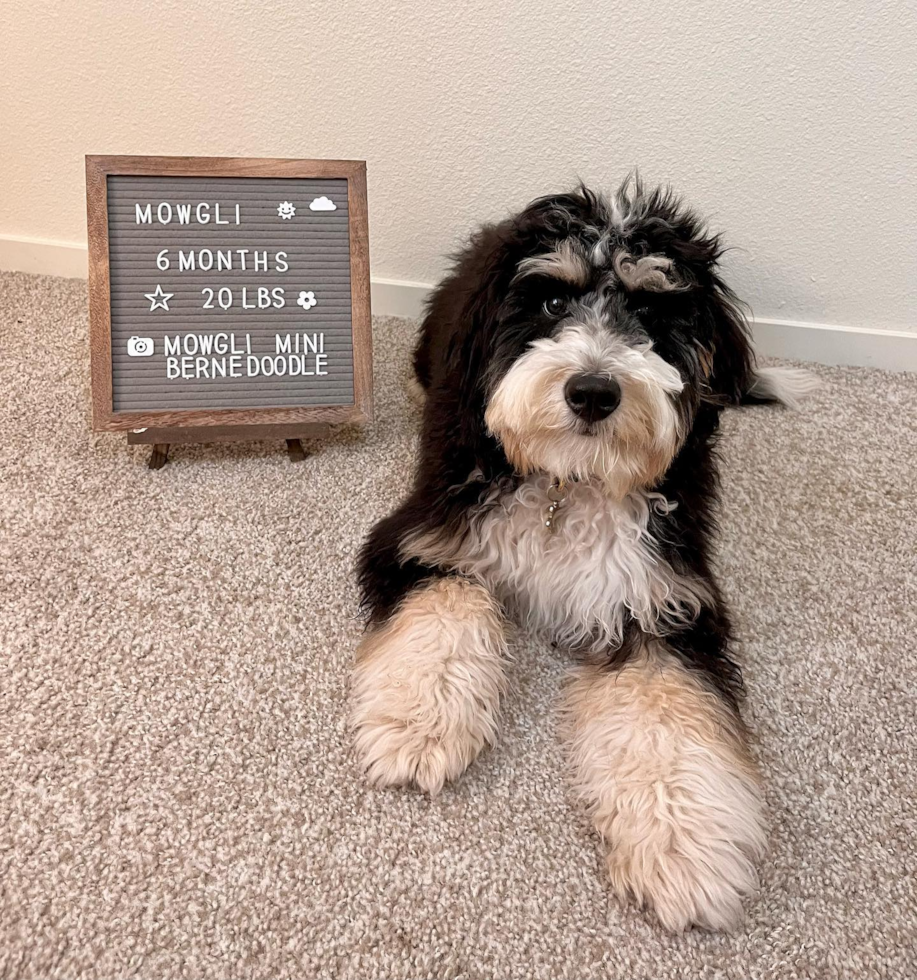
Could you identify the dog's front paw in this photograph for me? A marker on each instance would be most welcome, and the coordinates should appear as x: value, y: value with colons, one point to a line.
x: 427, y: 685
x: 692, y: 879
x: 398, y: 748
x: 661, y: 762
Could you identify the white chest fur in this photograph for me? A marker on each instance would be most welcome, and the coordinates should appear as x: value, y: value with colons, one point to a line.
x: 580, y: 582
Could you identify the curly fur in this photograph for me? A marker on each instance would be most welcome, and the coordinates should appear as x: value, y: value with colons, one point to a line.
x: 625, y: 290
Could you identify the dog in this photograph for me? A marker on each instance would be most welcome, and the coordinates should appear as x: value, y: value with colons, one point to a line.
x: 575, y: 363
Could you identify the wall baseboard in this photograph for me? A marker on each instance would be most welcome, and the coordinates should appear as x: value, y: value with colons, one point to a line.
x: 891, y: 350
x: 44, y: 257
x: 393, y: 297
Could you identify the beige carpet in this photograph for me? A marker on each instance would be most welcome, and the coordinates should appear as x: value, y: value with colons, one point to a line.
x: 177, y: 793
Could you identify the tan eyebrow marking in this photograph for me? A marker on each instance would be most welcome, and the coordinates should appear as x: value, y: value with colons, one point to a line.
x: 649, y: 272
x: 565, y: 263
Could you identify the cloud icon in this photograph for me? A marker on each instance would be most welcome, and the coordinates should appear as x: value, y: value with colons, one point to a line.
x: 323, y: 204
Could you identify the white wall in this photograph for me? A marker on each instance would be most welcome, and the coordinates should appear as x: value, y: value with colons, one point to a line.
x: 792, y: 124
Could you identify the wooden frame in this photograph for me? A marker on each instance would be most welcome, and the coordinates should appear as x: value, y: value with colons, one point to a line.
x: 98, y: 170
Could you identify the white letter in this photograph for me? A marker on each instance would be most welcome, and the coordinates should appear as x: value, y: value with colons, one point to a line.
x: 144, y: 216
x: 203, y: 217
x: 168, y: 211
x: 280, y: 262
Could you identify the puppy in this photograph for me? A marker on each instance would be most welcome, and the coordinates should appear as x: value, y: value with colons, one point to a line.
x: 575, y: 363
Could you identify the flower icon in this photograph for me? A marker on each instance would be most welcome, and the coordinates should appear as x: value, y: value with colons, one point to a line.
x: 286, y: 210
x: 307, y: 300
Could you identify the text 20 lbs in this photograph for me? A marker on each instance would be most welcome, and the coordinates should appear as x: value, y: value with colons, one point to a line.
x: 252, y: 298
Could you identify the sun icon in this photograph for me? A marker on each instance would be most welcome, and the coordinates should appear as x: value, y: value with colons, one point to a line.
x: 286, y: 210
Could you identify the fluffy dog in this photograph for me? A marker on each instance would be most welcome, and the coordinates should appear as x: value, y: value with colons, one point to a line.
x: 575, y: 363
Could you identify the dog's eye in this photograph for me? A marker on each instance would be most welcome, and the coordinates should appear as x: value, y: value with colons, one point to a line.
x: 555, y: 306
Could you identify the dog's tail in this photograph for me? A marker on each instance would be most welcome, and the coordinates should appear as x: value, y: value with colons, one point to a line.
x: 788, y: 386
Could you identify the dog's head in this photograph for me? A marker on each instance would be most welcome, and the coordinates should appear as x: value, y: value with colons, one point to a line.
x: 591, y: 329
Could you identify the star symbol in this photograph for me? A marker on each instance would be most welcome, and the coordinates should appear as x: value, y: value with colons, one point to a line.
x: 159, y: 299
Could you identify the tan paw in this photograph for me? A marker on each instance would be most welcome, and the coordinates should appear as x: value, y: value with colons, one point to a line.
x: 402, y: 752
x: 688, y: 882
x: 416, y: 391
x: 661, y: 763
x: 427, y: 686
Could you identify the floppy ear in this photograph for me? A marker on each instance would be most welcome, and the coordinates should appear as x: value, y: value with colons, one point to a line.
x: 729, y: 355
x: 725, y: 355
x: 457, y: 341
x: 458, y: 460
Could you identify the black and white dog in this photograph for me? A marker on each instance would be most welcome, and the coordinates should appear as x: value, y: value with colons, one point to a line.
x: 575, y: 364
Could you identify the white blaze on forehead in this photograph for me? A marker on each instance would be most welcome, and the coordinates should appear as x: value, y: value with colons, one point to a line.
x: 564, y: 262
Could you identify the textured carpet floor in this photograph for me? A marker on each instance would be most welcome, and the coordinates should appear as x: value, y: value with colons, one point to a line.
x: 177, y: 793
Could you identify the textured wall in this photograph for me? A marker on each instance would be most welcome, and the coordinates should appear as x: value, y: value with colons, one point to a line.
x: 792, y: 125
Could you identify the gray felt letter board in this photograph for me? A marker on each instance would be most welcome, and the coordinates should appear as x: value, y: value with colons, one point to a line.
x: 228, y: 292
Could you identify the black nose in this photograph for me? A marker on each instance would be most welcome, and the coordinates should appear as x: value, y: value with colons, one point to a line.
x: 592, y: 397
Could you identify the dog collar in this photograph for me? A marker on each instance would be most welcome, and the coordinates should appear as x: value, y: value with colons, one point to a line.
x: 557, y: 494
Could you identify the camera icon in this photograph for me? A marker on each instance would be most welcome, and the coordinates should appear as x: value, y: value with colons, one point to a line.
x: 140, y: 347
